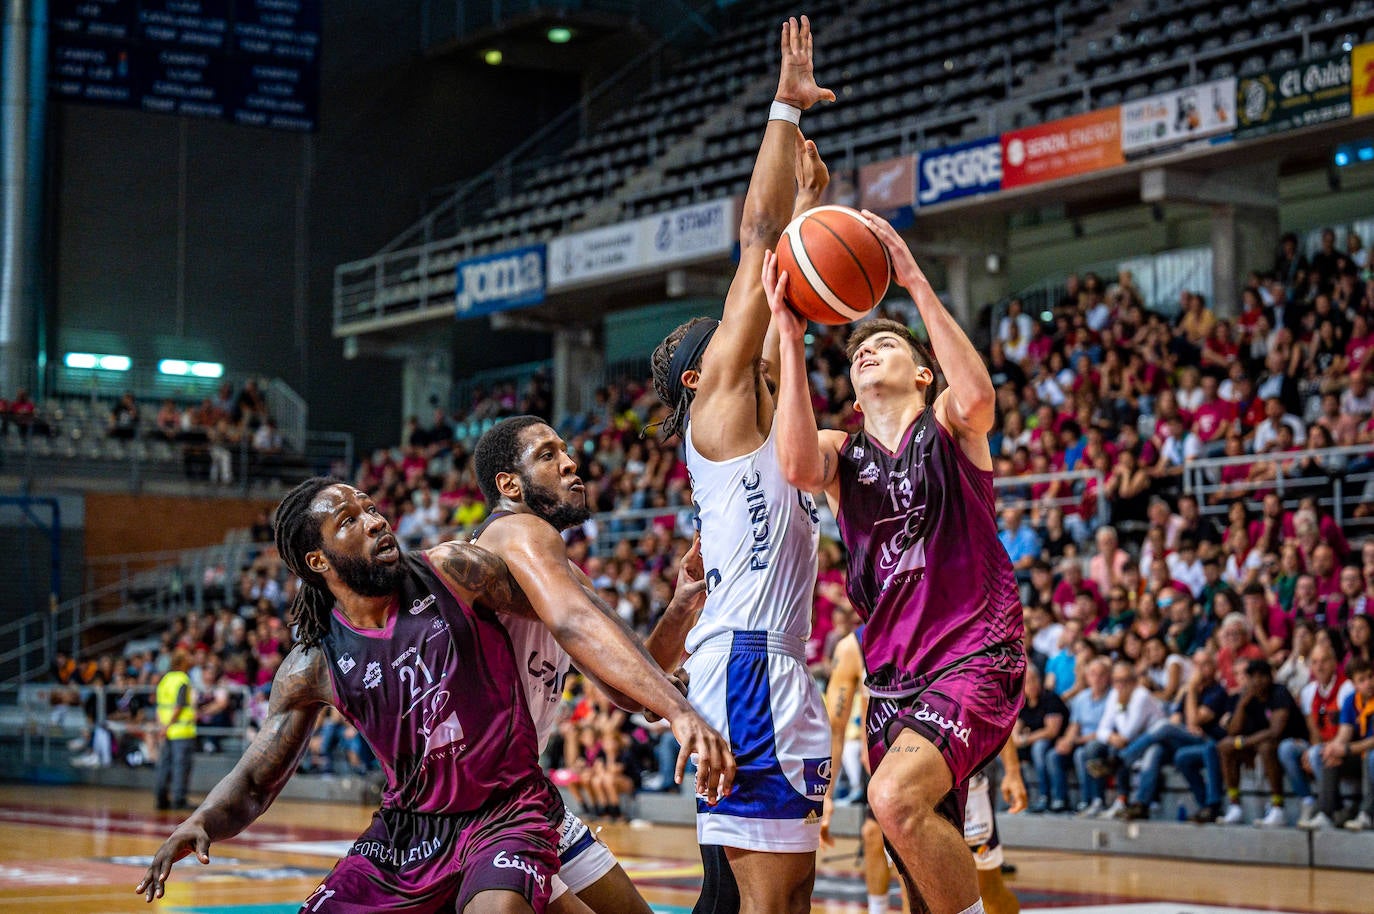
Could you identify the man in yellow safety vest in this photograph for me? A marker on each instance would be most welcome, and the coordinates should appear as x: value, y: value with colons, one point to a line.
x: 176, y: 718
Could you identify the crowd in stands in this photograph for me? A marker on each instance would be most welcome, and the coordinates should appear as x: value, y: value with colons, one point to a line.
x: 220, y: 438
x: 1162, y: 631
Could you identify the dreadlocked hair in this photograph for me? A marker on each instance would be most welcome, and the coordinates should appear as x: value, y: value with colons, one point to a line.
x: 297, y: 534
x: 662, y: 363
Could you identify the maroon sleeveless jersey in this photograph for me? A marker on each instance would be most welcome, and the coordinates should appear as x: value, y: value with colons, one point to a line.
x: 926, y: 570
x: 437, y: 696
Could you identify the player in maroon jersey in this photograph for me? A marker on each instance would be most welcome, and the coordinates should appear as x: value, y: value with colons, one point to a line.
x: 913, y: 495
x: 409, y: 650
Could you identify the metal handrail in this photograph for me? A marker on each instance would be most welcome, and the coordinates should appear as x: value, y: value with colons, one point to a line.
x: 1198, y: 475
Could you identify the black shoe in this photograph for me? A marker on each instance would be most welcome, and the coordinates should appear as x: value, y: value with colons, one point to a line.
x: 1009, y: 869
x: 1137, y: 811
x: 1205, y: 815
x: 163, y: 805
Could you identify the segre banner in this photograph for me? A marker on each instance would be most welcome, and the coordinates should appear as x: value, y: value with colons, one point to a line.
x: 678, y: 236
x: 500, y: 282
x: 1173, y: 118
x: 1063, y: 148
x: 960, y: 171
x: 1295, y: 96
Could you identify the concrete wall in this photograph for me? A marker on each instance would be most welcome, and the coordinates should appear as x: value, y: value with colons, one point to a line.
x: 220, y: 242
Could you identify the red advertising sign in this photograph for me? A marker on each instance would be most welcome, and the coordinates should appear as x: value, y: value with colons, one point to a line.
x: 1071, y: 146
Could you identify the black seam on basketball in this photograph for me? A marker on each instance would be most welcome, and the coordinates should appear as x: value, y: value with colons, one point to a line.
x: 857, y: 262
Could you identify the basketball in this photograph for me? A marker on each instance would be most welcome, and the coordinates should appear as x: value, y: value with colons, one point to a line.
x: 837, y: 268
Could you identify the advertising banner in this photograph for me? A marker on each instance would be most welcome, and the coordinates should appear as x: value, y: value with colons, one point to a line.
x: 1362, y: 80
x: 678, y: 236
x: 1063, y: 148
x: 1294, y: 96
x: 500, y: 282
x: 1173, y: 118
x: 960, y: 171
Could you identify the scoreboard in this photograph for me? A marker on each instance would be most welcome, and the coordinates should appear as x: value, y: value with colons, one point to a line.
x: 253, y: 62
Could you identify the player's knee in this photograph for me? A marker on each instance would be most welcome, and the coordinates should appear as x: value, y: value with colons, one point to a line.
x: 901, y: 809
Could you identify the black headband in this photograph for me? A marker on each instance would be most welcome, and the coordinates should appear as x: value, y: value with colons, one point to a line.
x: 688, y: 354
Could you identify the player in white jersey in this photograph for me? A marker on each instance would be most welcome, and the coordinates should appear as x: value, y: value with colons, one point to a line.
x: 527, y: 475
x: 758, y: 535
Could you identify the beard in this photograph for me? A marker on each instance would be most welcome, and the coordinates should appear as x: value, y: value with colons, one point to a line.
x: 547, y: 504
x: 366, y: 577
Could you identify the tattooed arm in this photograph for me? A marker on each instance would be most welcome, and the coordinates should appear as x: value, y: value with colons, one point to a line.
x: 301, y: 688
x: 481, y: 577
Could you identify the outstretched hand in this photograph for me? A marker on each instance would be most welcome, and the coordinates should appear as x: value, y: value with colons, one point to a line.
x: 813, y: 176
x: 186, y: 839
x: 791, y: 327
x: 904, y: 268
x: 715, y: 762
x: 1014, y: 793
x: 797, y: 79
x: 690, y: 592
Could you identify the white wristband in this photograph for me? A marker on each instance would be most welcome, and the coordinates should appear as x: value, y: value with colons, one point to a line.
x: 781, y: 111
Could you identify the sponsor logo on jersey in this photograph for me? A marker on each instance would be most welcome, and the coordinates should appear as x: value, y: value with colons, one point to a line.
x: 858, y: 453
x: 869, y: 474
x: 346, y: 663
x: 405, y: 655
x: 811, y: 818
x: 420, y: 606
x: 372, y: 676
x: 505, y: 861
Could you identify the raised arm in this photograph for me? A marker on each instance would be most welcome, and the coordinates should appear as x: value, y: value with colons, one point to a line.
x: 600, y: 642
x: 813, y: 177
x: 298, y: 693
x: 728, y: 366
x: 969, y: 406
x: 845, y: 679
x: 809, y: 458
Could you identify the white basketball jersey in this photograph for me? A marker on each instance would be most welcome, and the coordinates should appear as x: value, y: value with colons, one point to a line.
x: 545, y: 665
x: 758, y: 544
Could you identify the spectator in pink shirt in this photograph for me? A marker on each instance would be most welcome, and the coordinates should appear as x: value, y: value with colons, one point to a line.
x: 1071, y: 581
x: 1107, y: 566
x: 1214, y: 418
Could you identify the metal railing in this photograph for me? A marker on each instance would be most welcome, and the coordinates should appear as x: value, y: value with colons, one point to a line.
x: 1203, y: 478
x: 181, y: 467
x: 1015, y: 491
x: 52, y: 723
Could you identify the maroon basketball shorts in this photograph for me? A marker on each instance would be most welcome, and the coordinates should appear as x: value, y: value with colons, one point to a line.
x: 966, y: 710
x: 425, y: 862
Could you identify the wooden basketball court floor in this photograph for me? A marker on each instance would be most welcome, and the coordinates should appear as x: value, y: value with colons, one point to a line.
x: 81, y: 850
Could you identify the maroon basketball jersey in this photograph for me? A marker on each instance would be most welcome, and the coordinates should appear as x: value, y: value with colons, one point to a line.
x: 926, y: 570
x: 437, y: 696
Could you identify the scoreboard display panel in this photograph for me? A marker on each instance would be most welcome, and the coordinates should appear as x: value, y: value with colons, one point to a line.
x: 253, y: 62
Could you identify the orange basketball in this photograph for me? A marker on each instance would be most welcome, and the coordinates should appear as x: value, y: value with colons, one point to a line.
x: 837, y: 268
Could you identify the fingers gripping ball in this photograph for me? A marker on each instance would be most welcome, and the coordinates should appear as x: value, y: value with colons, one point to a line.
x: 837, y: 268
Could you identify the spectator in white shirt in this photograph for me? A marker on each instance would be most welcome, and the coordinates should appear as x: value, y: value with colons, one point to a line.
x: 1186, y: 568
x: 1180, y: 447
x: 1131, y: 710
x: 1014, y: 331
x: 1267, y: 432
x: 1358, y: 399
